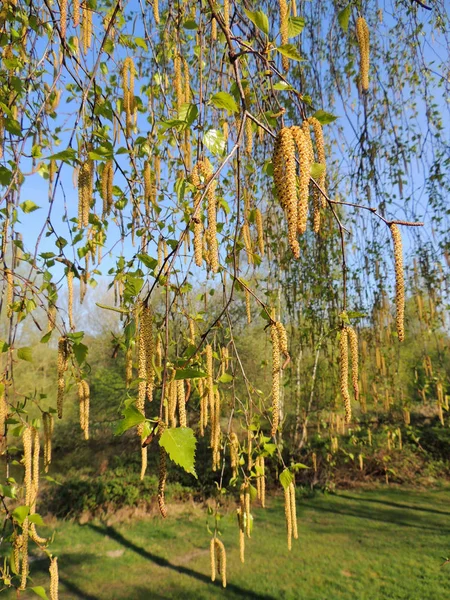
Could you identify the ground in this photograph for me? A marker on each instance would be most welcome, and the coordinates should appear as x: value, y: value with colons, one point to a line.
x: 365, y: 545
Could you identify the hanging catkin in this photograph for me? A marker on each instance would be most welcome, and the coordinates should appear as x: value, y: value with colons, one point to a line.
x: 284, y: 30
x: 63, y: 18
x: 148, y: 341
x: 47, y: 419
x: 353, y: 339
x: 399, y: 281
x: 284, y: 172
x: 211, y: 232
x: 288, y: 514
x: 221, y: 561
x: 363, y: 37
x: 178, y: 82
x: 9, y: 292
x: 293, y: 510
x: 85, y: 183
x: 84, y: 398
x: 128, y: 75
x: 343, y: 373
x: 70, y: 298
x: 215, y: 431
x: 303, y: 186
x: 259, y: 231
x: 162, y: 474
x: 3, y: 409
x: 276, y: 366
x: 319, y: 199
x: 234, y: 453
x: 212, y: 558
x: 107, y: 186
x: 248, y: 308
x: 247, y: 242
x: 198, y: 220
x: 261, y: 480
x: 241, y: 523
x: 86, y: 27
x: 156, y: 11
x: 54, y: 579
x: 62, y: 365
x: 76, y: 13
x: 181, y: 397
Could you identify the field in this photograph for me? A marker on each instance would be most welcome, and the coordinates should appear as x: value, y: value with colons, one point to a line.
x: 369, y: 545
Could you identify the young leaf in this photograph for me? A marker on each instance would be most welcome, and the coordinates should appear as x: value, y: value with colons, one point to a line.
x: 25, y: 353
x: 316, y: 170
x: 179, y: 443
x: 344, y: 17
x: 225, y: 378
x: 20, y: 513
x: 81, y: 352
x: 324, y: 117
x: 295, y: 26
x: 131, y: 417
x: 286, y: 478
x: 214, y: 141
x: 29, y: 206
x: 225, y: 101
x: 290, y: 51
x: 36, y: 519
x: 189, y: 374
x: 259, y: 19
x: 39, y: 591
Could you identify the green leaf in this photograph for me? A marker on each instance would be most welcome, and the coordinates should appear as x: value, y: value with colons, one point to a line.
x: 80, y: 351
x: 141, y: 43
x: 5, y: 176
x: 114, y: 308
x: 67, y: 156
x: 29, y: 206
x: 283, y: 86
x: 188, y: 113
x: 45, y: 338
x: 225, y: 378
x: 316, y: 170
x: 25, y: 353
x: 290, y: 51
x: 148, y: 261
x: 189, y: 374
x: 286, y: 478
x: 344, y: 17
x: 214, y: 141
x: 179, y: 443
x: 259, y: 19
x: 131, y: 417
x: 298, y: 466
x: 7, y: 491
x: 3, y: 346
x: 295, y: 26
x: 36, y: 519
x: 39, y: 591
x: 20, y: 513
x: 190, y: 24
x: 324, y: 117
x: 226, y: 101
x: 13, y: 126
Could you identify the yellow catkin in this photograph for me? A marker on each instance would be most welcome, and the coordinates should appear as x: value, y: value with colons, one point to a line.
x: 215, y: 431
x: 84, y: 398
x: 282, y: 338
x: 86, y: 27
x: 63, y: 18
x: 54, y: 579
x: 304, y: 157
x: 28, y: 463
x: 47, y: 419
x: 293, y: 511
x: 148, y: 187
x: 276, y: 366
x: 70, y: 298
x: 261, y: 480
x: 353, y: 339
x: 284, y: 29
x: 221, y: 561
x: 248, y: 137
x: 288, y: 515
x: 9, y: 292
x: 129, y: 366
x: 156, y: 11
x: 211, y: 232
x: 35, y: 470
x: 399, y: 281
x: 172, y: 398
x: 162, y: 476
x: 181, y: 395
x: 3, y: 409
x: 284, y: 171
x: 2, y: 134
x: 178, y: 82
x: 259, y: 231
x: 148, y: 341
x: 198, y: 224
x: 25, y: 567
x: 241, y: 523
x: 247, y: 242
x: 248, y: 308
x: 247, y: 508
x: 107, y: 186
x: 61, y: 368
x: 212, y: 557
x: 343, y: 373
x: 226, y: 13
x: 128, y: 75
x: 319, y: 199
x: 85, y: 183
x: 314, y: 462
x: 210, y: 379
x: 234, y: 453
x: 76, y: 13
x: 363, y: 37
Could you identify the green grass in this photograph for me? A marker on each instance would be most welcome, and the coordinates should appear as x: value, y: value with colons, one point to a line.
x: 355, y: 545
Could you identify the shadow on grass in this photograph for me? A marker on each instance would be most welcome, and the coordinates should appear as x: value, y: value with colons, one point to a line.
x: 162, y: 562
x: 392, y: 517
x: 70, y: 586
x: 394, y: 504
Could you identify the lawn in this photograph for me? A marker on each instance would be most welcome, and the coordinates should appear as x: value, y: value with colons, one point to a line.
x: 366, y: 545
